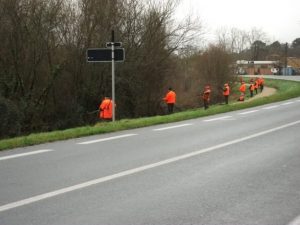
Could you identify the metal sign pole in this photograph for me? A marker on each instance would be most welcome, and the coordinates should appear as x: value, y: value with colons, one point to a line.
x: 113, y: 75
x: 117, y: 54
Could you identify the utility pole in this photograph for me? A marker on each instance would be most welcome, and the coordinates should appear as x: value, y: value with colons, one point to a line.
x: 285, y: 58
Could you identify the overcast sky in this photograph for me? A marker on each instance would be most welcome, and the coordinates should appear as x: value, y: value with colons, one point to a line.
x: 280, y: 19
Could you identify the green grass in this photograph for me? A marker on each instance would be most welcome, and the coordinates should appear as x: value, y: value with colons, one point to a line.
x: 285, y: 90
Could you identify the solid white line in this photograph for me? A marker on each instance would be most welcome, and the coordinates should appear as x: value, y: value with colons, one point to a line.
x: 137, y: 170
x: 219, y: 118
x: 287, y: 103
x: 272, y: 107
x: 105, y: 139
x: 173, y: 127
x: 296, y: 221
x: 25, y: 154
x: 248, y: 112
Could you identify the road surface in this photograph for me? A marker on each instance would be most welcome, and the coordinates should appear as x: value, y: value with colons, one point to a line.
x: 239, y: 168
x: 281, y: 77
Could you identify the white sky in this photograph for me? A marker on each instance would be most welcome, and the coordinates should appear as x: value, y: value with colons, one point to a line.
x: 280, y: 20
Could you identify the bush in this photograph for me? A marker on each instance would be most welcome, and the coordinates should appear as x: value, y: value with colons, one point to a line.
x: 10, y: 119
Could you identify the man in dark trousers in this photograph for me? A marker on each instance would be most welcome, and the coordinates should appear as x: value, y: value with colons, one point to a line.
x: 226, y: 92
x: 251, y: 88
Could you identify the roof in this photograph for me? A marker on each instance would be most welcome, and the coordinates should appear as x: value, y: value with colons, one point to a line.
x: 293, y: 62
x: 244, y: 62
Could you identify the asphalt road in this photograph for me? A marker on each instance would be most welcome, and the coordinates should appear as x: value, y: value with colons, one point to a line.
x: 241, y: 167
x: 281, y: 77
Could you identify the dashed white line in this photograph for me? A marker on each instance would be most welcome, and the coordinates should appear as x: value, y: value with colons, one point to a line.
x: 248, y: 112
x: 287, y: 103
x: 136, y: 170
x: 105, y: 139
x: 25, y: 154
x: 272, y: 107
x: 219, y: 118
x: 173, y: 127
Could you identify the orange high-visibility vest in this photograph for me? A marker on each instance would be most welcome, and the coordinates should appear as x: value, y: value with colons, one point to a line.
x: 243, y: 88
x: 226, y: 90
x: 252, y: 87
x: 106, y: 109
x: 256, y: 84
x: 206, y: 94
x: 170, y: 97
x: 259, y: 81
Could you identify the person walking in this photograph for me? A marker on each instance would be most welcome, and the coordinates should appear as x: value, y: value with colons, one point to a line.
x: 170, y: 99
x: 242, y: 89
x: 206, y: 96
x: 226, y: 92
x: 105, y: 109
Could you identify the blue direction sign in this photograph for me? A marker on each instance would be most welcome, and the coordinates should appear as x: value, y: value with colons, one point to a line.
x: 104, y: 55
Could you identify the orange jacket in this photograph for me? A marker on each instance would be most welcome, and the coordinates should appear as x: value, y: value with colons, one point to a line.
x: 243, y: 88
x: 170, y: 97
x: 226, y: 90
x: 206, y: 95
x: 251, y: 87
x: 106, y: 109
x: 259, y: 81
x: 256, y: 84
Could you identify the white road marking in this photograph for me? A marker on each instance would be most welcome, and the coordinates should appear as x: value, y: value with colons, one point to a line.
x: 287, y: 103
x: 219, y: 118
x: 25, y: 154
x: 248, y: 112
x: 272, y: 107
x: 137, y: 170
x: 296, y: 221
x: 106, y: 139
x: 173, y: 127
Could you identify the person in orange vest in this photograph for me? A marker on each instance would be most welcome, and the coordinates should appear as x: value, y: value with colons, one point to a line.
x: 206, y: 96
x: 105, y: 109
x: 170, y: 99
x: 226, y: 92
x: 261, y: 83
x: 256, y: 85
x: 251, y: 88
x: 242, y: 89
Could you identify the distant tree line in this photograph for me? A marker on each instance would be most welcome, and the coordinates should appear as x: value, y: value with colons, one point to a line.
x: 255, y: 45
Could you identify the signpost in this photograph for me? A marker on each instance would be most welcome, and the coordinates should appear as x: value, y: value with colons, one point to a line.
x: 113, y: 53
x: 116, y: 44
x: 105, y: 55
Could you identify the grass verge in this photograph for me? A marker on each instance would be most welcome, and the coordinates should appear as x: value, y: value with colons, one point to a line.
x: 285, y: 90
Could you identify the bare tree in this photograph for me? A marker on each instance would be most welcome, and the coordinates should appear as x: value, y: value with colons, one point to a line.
x: 215, y: 69
x: 44, y: 76
x: 233, y: 39
x: 257, y: 34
